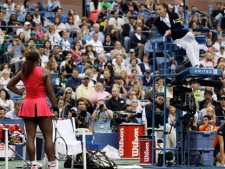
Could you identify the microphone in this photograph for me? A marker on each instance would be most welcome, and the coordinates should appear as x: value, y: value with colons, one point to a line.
x: 194, y: 9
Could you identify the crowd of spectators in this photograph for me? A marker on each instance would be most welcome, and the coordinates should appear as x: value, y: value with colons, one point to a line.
x: 102, y: 64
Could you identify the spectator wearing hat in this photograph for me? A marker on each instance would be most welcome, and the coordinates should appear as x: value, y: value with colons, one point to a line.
x: 118, y: 65
x: 41, y: 8
x: 116, y: 25
x: 220, y: 109
x: 5, y: 44
x: 128, y: 28
x: 131, y: 56
x: 207, y: 96
x: 169, y: 91
x: 84, y: 91
x: 37, y: 41
x: 90, y: 52
x: 150, y: 22
x: 146, y: 78
x: 83, y: 59
x: 116, y: 9
x: 72, y: 113
x: 74, y: 81
x: 102, y: 117
x: 95, y: 71
x: 142, y: 10
x: 2, y: 113
x: 5, y: 13
x: 196, y: 91
x: 20, y: 17
x: 118, y: 50
x: 138, y: 42
x: 26, y: 30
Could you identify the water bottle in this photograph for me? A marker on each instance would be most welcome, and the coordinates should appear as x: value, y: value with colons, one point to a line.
x: 45, y: 162
x: 173, y: 68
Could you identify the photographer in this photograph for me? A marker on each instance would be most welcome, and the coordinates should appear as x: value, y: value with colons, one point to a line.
x: 68, y: 64
x: 14, y: 52
x: 72, y: 113
x: 102, y: 117
x: 83, y: 118
x: 132, y: 116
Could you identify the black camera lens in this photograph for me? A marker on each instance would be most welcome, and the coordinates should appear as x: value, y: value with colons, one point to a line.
x: 69, y: 61
x: 74, y: 115
x: 83, y: 113
x: 101, y: 106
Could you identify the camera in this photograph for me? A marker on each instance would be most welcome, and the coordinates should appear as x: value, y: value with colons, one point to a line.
x: 74, y: 115
x: 69, y: 61
x: 101, y: 106
x: 119, y: 117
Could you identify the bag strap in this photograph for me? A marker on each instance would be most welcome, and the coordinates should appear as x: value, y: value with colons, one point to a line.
x: 107, y: 159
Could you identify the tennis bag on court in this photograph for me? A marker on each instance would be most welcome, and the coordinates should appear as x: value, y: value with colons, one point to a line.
x: 96, y: 159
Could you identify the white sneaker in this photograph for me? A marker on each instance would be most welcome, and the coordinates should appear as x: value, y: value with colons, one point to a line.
x: 52, y: 167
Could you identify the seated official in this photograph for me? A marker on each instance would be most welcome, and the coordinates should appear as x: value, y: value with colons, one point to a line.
x: 159, y: 120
